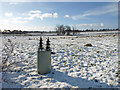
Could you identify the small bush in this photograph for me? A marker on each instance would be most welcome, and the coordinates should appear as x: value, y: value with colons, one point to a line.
x: 89, y: 44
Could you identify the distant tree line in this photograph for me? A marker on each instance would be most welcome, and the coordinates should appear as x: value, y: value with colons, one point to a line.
x: 94, y: 30
x: 67, y: 30
x: 59, y: 29
x: 24, y: 32
x: 13, y: 32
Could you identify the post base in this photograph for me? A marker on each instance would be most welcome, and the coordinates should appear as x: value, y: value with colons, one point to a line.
x: 43, y: 73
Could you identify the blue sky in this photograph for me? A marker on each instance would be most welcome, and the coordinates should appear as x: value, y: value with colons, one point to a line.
x: 45, y: 16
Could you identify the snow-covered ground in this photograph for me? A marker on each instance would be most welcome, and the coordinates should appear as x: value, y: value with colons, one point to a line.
x: 73, y: 65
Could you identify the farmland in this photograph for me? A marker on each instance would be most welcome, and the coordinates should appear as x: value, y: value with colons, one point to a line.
x: 79, y: 61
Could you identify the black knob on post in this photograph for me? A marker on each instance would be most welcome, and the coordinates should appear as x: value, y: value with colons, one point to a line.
x: 40, y: 44
x: 48, y: 45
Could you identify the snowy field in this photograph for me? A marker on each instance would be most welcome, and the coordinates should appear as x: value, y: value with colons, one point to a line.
x: 74, y: 65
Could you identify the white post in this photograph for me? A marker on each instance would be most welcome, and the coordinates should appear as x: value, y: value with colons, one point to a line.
x: 44, y: 62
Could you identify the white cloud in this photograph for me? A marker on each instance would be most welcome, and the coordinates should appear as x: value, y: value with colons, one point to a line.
x: 17, y: 18
x: 35, y: 15
x: 66, y: 16
x: 18, y: 21
x: 101, y: 24
x: 40, y: 15
x: 89, y: 25
x: 11, y: 23
x: 36, y: 11
x: 13, y: 3
x: 45, y: 15
x: 9, y: 14
x: 48, y: 15
x: 108, y: 9
x: 55, y: 15
x: 28, y: 18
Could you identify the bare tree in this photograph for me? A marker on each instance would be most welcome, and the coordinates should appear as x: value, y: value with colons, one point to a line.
x: 60, y: 29
x: 74, y: 29
x: 68, y: 29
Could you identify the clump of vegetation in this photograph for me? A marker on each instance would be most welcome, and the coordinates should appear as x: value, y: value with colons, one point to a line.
x: 89, y: 44
x: 99, y: 35
x: 60, y: 60
x: 118, y: 71
x: 98, y: 51
x: 9, y: 52
x: 65, y: 63
x: 30, y: 39
x: 115, y: 49
x: 29, y: 53
x: 114, y: 35
x: 107, y: 45
x: 89, y: 65
x: 72, y: 39
x: 53, y: 73
x: 73, y: 54
x: 67, y: 45
x: 9, y: 48
x: 7, y: 62
x: 77, y: 37
x: 51, y: 78
x: 93, y: 64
